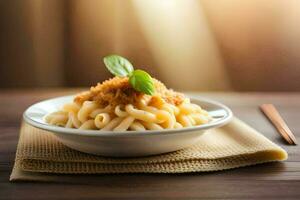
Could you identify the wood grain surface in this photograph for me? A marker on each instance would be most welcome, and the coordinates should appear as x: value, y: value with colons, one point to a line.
x: 280, y: 180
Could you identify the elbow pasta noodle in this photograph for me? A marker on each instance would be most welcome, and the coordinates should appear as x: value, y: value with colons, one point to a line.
x: 125, y: 123
x: 94, y: 113
x: 145, y: 115
x: 112, y: 124
x: 73, y: 121
x: 184, y: 120
x: 140, y: 114
x: 137, y: 126
x: 152, y: 126
x: 102, y: 120
x: 85, y: 110
x: 89, y: 124
x: 119, y: 112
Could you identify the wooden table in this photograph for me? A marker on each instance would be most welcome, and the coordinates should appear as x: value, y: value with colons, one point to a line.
x: 267, y: 181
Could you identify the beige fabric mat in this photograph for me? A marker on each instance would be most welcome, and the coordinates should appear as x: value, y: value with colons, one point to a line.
x: 231, y: 146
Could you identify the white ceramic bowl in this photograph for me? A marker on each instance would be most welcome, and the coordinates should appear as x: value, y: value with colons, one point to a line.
x: 126, y: 143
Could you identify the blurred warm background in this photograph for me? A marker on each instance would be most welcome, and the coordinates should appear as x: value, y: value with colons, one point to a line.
x: 244, y: 45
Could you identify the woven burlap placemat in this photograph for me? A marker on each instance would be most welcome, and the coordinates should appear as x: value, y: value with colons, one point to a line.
x: 39, y: 153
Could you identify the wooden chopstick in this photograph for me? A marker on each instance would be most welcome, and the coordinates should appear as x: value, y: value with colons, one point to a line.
x: 273, y: 115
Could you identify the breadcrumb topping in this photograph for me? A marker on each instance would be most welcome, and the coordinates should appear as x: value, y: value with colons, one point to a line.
x: 117, y: 91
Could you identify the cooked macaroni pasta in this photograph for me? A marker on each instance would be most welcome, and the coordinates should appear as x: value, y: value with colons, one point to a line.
x: 141, y: 117
x: 146, y: 113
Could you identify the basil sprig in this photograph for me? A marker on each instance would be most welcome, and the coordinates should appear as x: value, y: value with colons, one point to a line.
x: 140, y: 80
x: 118, y: 66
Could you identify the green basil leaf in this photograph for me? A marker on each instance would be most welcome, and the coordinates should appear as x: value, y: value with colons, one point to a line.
x: 142, y: 82
x: 118, y: 65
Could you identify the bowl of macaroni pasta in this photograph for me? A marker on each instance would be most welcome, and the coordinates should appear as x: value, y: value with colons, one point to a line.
x: 131, y: 114
x: 148, y: 126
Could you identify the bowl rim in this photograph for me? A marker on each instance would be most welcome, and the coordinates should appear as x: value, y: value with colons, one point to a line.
x: 72, y: 131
